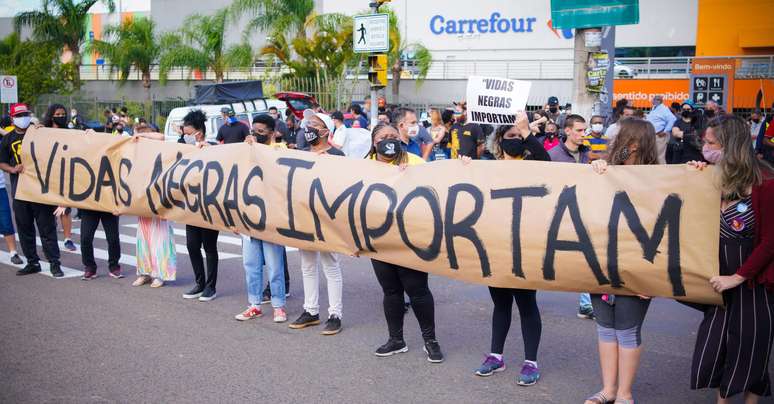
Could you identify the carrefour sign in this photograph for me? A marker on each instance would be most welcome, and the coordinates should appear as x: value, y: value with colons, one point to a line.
x: 495, y: 24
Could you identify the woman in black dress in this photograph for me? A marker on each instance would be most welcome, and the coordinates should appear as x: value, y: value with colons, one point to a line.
x: 733, y: 344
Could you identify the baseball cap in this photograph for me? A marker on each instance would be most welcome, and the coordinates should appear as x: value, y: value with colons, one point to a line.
x: 228, y: 111
x: 689, y: 103
x: 326, y: 120
x: 553, y: 101
x: 17, y: 109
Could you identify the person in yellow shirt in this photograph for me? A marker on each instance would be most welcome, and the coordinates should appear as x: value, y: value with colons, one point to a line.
x: 596, y: 141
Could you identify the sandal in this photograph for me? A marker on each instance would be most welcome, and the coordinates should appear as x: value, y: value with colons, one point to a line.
x: 141, y: 280
x: 601, y: 398
x: 157, y: 283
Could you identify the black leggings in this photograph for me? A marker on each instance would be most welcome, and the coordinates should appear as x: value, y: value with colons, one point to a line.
x: 395, y: 280
x: 531, y: 326
x: 195, y: 238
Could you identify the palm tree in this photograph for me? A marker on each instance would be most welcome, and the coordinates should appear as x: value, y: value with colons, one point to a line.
x: 200, y: 44
x: 130, y: 45
x: 400, y: 51
x: 276, y: 16
x: 61, y: 22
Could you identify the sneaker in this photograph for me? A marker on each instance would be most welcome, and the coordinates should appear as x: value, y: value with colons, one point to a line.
x: 433, y: 351
x: 115, y: 273
x: 586, y: 313
x: 529, y: 375
x: 280, y: 316
x: 207, y: 295
x: 89, y: 275
x: 332, y: 326
x: 193, y: 293
x: 29, y: 269
x: 406, y: 307
x: 305, y: 320
x: 490, y: 366
x: 56, y: 271
x: 16, y: 259
x: 392, y: 347
x: 249, y: 314
x: 266, y: 296
x: 70, y: 245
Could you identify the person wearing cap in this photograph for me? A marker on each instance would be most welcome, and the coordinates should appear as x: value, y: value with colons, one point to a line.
x: 232, y: 131
x: 685, y: 144
x: 316, y: 133
x: 29, y: 214
x: 6, y: 219
x: 554, y: 113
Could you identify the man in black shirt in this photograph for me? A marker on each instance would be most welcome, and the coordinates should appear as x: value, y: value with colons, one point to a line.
x: 232, y: 130
x: 465, y: 138
x: 279, y: 124
x: 28, y: 214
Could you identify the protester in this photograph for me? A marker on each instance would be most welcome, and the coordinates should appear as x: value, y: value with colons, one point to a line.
x: 515, y: 143
x: 29, y: 214
x: 757, y: 125
x: 596, y: 141
x: 573, y: 150
x: 554, y: 114
x: 618, y: 112
x: 110, y: 119
x: 465, y: 138
x: 279, y: 123
x: 317, y: 132
x: 256, y: 252
x: 6, y: 219
x: 232, y: 131
x: 662, y: 120
x: 733, y: 343
x: 76, y: 120
x: 551, y: 137
x: 685, y: 145
x: 56, y: 117
x: 294, y: 130
x: 395, y: 279
x: 384, y: 117
x: 620, y: 317
x: 440, y: 137
x: 406, y: 122
x: 675, y: 107
x: 358, y: 116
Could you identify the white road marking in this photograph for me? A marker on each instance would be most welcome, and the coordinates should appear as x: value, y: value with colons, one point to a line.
x: 221, y: 238
x: 181, y: 249
x: 5, y: 258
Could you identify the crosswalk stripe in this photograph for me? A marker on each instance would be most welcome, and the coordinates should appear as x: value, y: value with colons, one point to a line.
x: 5, y: 258
x: 221, y: 237
x: 181, y: 249
x: 98, y: 254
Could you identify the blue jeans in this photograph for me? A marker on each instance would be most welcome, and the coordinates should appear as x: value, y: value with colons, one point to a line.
x: 585, y: 300
x: 256, y: 253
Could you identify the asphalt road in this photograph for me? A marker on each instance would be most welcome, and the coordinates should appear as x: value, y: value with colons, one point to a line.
x: 71, y: 341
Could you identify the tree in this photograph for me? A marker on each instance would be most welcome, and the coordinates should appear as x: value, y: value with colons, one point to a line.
x: 131, y: 44
x: 200, y: 44
x: 400, y: 51
x: 35, y: 66
x: 276, y: 16
x: 62, y: 22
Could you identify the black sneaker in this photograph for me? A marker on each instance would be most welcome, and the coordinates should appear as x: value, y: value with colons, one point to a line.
x: 207, y: 295
x: 332, y: 326
x: 194, y: 293
x: 392, y: 347
x: 406, y: 307
x: 56, y: 271
x: 16, y: 259
x: 305, y: 320
x: 586, y: 313
x: 433, y: 351
x: 29, y: 269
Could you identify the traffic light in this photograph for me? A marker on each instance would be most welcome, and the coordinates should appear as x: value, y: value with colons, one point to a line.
x: 377, y: 72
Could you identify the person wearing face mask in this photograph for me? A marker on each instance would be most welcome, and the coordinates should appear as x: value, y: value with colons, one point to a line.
x: 733, y: 342
x: 596, y: 141
x: 29, y: 214
x: 6, y: 219
x: 757, y: 126
x: 551, y: 137
x: 279, y: 123
x: 396, y: 280
x: 662, y: 119
x: 466, y: 138
x: 408, y: 126
x: 232, y: 131
x: 685, y: 144
x: 515, y: 143
x: 56, y: 117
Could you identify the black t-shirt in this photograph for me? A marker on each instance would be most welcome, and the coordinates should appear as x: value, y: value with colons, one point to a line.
x: 468, y: 137
x: 687, y: 127
x: 334, y: 151
x: 232, y: 133
x: 10, y: 153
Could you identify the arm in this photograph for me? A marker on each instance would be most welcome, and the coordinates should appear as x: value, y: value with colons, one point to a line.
x: 763, y: 254
x: 536, y: 149
x: 151, y: 135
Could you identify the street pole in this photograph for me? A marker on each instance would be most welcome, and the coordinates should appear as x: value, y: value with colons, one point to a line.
x: 374, y: 10
x: 582, y: 100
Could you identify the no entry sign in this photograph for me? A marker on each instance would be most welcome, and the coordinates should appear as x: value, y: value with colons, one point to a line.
x: 8, y: 90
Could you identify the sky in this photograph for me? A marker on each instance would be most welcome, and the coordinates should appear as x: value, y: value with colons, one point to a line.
x: 9, y: 8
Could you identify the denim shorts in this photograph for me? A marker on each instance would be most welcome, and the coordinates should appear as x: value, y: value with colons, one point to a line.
x: 6, y: 221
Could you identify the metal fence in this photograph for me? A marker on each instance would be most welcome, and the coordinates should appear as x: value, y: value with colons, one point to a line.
x: 92, y: 108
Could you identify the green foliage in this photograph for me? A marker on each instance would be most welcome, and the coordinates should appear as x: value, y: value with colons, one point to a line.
x: 131, y: 44
x: 36, y: 67
x: 200, y: 44
x: 62, y: 22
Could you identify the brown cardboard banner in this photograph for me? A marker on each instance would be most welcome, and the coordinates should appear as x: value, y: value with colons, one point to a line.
x: 650, y: 230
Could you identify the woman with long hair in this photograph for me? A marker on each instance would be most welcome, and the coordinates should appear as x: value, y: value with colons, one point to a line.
x: 56, y: 117
x: 619, y: 317
x: 396, y: 280
x: 515, y: 143
x: 733, y: 343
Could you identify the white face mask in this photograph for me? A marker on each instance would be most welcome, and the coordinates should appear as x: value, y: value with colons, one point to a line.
x: 22, y: 122
x: 597, y: 128
x: 73, y: 113
x: 413, y: 131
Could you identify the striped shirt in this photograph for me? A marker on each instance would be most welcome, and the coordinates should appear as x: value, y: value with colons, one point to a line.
x: 597, y: 146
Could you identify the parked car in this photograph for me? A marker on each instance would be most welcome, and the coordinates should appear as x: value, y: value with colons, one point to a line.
x: 297, y: 102
x: 623, y: 71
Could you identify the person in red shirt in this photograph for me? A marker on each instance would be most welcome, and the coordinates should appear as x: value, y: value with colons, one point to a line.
x: 734, y: 342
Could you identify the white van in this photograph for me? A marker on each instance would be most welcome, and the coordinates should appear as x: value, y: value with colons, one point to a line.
x: 244, y: 113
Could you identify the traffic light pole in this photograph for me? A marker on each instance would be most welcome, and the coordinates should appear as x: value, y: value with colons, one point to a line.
x: 374, y: 111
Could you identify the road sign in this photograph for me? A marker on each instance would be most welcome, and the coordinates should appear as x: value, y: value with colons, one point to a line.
x: 713, y: 80
x: 593, y: 13
x: 371, y: 33
x: 9, y: 92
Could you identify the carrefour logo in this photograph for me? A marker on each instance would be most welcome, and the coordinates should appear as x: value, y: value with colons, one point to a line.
x: 493, y: 25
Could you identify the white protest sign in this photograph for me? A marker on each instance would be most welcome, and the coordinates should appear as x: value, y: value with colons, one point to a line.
x: 9, y: 90
x: 495, y: 101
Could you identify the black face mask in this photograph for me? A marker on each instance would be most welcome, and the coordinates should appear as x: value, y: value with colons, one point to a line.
x: 512, y: 147
x: 709, y: 113
x: 389, y: 148
x: 553, y: 109
x: 312, y: 136
x: 686, y: 114
x: 263, y: 139
x: 551, y: 135
x: 60, y: 121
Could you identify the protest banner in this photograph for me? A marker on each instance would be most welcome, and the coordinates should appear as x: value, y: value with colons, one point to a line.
x: 495, y: 101
x: 650, y: 230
